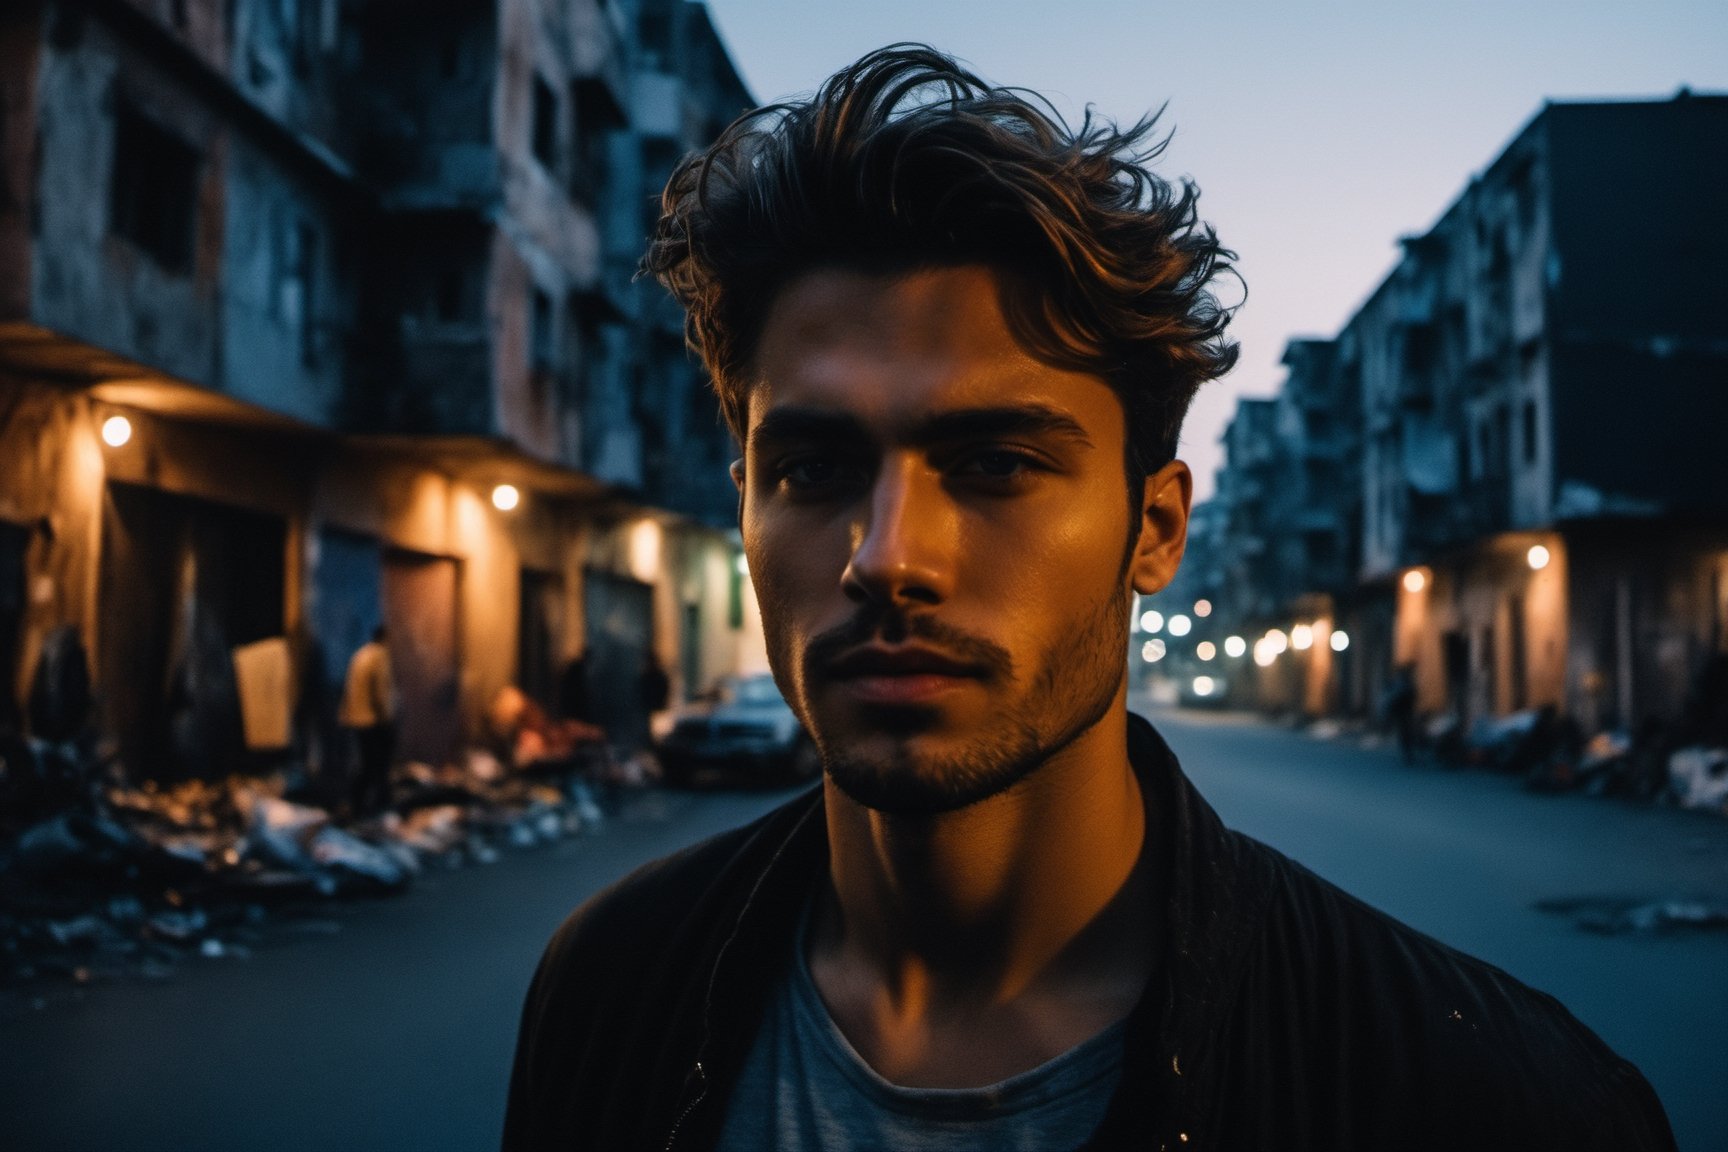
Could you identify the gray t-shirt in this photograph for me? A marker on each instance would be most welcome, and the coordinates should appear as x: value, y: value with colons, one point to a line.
x: 804, y: 1088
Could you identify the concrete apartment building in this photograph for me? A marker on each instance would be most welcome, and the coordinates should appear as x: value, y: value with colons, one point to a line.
x: 1535, y: 511
x: 316, y: 314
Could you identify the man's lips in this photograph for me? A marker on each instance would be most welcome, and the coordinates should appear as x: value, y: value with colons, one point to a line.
x: 899, y: 675
x: 872, y: 661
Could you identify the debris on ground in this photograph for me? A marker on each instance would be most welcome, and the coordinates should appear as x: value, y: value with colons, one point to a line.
x: 1617, y: 916
x: 1698, y: 778
x: 102, y: 878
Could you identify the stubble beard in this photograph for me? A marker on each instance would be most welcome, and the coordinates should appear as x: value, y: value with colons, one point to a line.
x: 1072, y: 690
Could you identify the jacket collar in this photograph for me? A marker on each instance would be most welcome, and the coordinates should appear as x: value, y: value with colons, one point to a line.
x: 1214, y: 894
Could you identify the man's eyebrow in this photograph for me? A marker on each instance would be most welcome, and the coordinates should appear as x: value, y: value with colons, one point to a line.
x: 807, y: 424
x: 1008, y: 420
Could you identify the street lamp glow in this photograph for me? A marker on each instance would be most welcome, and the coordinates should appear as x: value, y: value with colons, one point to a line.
x: 1537, y: 557
x: 1206, y: 650
x: 116, y: 430
x: 1414, y: 581
x: 1301, y: 637
x: 1340, y: 641
x: 1151, y: 620
x: 1202, y: 608
x: 506, y: 497
x: 1152, y: 651
x: 1203, y: 685
x: 1180, y: 625
x: 1234, y: 646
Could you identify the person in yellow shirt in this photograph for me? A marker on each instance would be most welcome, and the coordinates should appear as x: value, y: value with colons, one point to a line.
x: 369, y: 710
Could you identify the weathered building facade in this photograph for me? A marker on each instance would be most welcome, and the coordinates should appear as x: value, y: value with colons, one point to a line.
x: 318, y: 315
x: 1535, y: 393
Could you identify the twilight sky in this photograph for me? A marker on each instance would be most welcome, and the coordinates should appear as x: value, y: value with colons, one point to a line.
x: 1318, y: 132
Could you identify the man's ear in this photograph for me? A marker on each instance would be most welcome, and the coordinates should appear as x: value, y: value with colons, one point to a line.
x: 737, y: 471
x: 1163, y: 527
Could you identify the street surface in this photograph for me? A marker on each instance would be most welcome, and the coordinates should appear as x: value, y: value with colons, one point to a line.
x: 394, y: 1029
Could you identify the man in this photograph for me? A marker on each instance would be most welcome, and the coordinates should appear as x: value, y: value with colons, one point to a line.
x: 369, y: 711
x: 956, y: 342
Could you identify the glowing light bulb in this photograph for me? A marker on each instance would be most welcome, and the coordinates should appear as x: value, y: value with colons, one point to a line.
x: 1180, y: 625
x: 1301, y: 637
x: 505, y: 497
x: 1151, y: 621
x: 1537, y: 557
x: 1206, y: 650
x: 1340, y: 641
x: 116, y: 430
x: 1414, y: 581
x: 1202, y: 608
x: 1203, y: 685
x: 1235, y: 646
x: 1152, y: 651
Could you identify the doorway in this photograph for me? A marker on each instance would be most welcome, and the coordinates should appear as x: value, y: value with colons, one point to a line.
x: 419, y: 599
x: 620, y: 630
x: 540, y: 636
x: 182, y: 583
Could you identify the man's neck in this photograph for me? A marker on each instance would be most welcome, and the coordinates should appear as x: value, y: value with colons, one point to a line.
x: 961, y: 948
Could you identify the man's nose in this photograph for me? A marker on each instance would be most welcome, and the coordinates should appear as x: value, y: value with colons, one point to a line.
x: 903, y: 542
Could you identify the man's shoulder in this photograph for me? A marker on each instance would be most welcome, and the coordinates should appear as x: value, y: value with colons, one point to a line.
x: 1405, y: 1015
x: 619, y: 1002
x: 672, y: 901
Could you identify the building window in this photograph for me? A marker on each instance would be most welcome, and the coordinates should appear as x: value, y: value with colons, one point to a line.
x: 450, y: 297
x: 659, y: 157
x: 545, y: 126
x: 541, y: 336
x: 451, y: 58
x: 153, y: 197
x: 294, y: 277
x: 598, y: 116
x: 654, y: 35
x: 305, y: 272
x: 1529, y: 432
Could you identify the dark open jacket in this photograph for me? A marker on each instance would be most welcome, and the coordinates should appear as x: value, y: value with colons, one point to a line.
x: 1286, y: 1015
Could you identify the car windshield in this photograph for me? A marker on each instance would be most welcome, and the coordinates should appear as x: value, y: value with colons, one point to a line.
x: 756, y: 690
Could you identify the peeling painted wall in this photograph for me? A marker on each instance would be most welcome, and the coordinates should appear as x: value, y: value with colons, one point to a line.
x: 51, y: 477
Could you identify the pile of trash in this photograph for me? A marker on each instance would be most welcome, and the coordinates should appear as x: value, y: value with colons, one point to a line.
x: 101, y: 877
x: 1612, y: 916
x: 1698, y: 778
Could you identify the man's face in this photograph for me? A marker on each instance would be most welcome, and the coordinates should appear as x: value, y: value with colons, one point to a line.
x: 936, y: 526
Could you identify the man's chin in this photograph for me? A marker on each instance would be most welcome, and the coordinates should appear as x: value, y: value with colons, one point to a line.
x: 906, y: 782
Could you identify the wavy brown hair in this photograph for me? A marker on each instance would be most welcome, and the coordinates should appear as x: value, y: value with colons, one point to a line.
x: 906, y: 160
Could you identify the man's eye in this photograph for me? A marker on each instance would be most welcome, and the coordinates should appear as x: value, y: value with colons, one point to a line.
x: 997, y: 464
x: 812, y: 473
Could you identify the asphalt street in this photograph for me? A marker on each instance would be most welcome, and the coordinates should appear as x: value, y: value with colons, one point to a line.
x: 391, y: 1025
x: 1467, y: 857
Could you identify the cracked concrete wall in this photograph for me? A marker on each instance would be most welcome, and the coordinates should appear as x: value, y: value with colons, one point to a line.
x: 88, y: 282
x: 20, y: 34
x: 260, y: 313
x: 286, y: 299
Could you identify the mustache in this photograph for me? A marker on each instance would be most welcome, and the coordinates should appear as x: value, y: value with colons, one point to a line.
x: 893, y: 626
